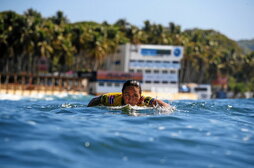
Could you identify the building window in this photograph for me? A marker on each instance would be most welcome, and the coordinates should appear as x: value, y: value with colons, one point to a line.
x: 200, y: 89
x: 164, y: 71
x: 117, y: 62
x: 156, y: 71
x: 101, y: 84
x: 156, y: 82
x: 165, y: 82
x: 139, y: 70
x: 134, y: 50
x: 164, y: 52
x: 173, y: 82
x: 148, y: 82
x: 172, y: 72
x: 131, y: 70
x: 109, y: 84
x: 148, y: 71
x: 117, y: 84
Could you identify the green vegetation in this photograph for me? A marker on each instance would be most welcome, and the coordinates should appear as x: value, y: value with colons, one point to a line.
x: 83, y: 46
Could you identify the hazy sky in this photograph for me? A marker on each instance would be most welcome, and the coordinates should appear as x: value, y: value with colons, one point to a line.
x: 234, y: 18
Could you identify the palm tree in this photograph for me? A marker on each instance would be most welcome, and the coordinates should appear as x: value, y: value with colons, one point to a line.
x: 155, y: 34
x: 101, y: 42
x: 33, y: 21
x: 123, y: 24
x: 63, y: 48
x: 32, y: 13
x: 59, y: 18
x: 10, y: 33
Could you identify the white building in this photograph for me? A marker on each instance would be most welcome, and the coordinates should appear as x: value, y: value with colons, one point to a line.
x: 104, y: 81
x: 159, y: 65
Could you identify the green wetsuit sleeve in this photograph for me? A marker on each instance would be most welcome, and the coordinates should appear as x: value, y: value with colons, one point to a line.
x: 149, y: 101
x: 103, y: 99
x: 95, y: 101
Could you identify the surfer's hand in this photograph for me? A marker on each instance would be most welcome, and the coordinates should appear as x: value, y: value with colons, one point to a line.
x: 141, y: 101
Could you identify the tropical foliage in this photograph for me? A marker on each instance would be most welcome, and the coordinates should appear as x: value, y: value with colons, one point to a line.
x: 83, y: 46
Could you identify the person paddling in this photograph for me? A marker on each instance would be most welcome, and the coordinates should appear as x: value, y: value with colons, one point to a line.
x: 131, y: 94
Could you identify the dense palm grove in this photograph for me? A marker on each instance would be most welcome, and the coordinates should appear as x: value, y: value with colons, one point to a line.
x: 83, y: 46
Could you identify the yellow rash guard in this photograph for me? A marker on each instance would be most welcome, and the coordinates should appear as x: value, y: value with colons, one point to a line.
x: 115, y: 99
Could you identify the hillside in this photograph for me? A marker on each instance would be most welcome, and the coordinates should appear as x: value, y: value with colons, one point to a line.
x: 247, y: 45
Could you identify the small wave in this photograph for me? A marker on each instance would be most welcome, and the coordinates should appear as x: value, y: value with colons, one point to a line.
x: 143, y: 110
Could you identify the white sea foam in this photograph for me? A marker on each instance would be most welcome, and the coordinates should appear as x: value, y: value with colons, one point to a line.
x: 32, y: 96
x: 169, y: 109
x: 10, y: 97
x: 30, y: 122
x: 161, y: 128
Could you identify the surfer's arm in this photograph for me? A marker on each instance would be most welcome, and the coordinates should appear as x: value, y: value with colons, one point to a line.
x: 95, y: 101
x: 152, y: 102
x: 160, y: 103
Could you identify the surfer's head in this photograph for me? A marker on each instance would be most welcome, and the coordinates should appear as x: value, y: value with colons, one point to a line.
x: 131, y: 92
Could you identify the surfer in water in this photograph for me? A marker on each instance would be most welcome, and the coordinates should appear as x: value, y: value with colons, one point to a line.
x: 131, y: 94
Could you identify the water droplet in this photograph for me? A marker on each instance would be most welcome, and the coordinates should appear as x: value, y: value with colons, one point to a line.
x: 189, y: 126
x: 228, y: 153
x: 31, y: 122
x: 125, y: 158
x: 6, y: 139
x: 117, y: 134
x: 214, y: 121
x: 66, y: 105
x: 247, y: 138
x: 151, y: 139
x: 161, y: 128
x: 210, y: 165
x: 208, y: 133
x: 87, y: 144
x: 174, y: 134
x: 244, y: 130
x: 162, y: 161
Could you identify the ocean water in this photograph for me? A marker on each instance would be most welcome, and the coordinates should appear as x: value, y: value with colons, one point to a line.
x: 61, y: 132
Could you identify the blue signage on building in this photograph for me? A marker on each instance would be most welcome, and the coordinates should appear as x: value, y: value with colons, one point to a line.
x: 177, y: 52
x: 146, y: 52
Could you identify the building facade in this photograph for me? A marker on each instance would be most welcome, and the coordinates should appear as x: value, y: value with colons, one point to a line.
x: 110, y: 81
x: 159, y: 65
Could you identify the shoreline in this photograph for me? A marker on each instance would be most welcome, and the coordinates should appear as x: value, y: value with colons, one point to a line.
x: 20, y: 92
x: 55, y: 92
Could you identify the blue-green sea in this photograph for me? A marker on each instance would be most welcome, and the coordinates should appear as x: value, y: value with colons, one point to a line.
x: 61, y: 132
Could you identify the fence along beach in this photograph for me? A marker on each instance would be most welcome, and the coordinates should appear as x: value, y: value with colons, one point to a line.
x: 32, y: 84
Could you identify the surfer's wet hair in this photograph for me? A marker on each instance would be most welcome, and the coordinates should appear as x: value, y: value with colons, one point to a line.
x: 131, y: 83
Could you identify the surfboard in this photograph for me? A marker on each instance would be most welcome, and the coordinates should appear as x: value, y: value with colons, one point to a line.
x: 129, y: 108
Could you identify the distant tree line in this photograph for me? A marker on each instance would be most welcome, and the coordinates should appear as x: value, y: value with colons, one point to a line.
x: 83, y: 46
